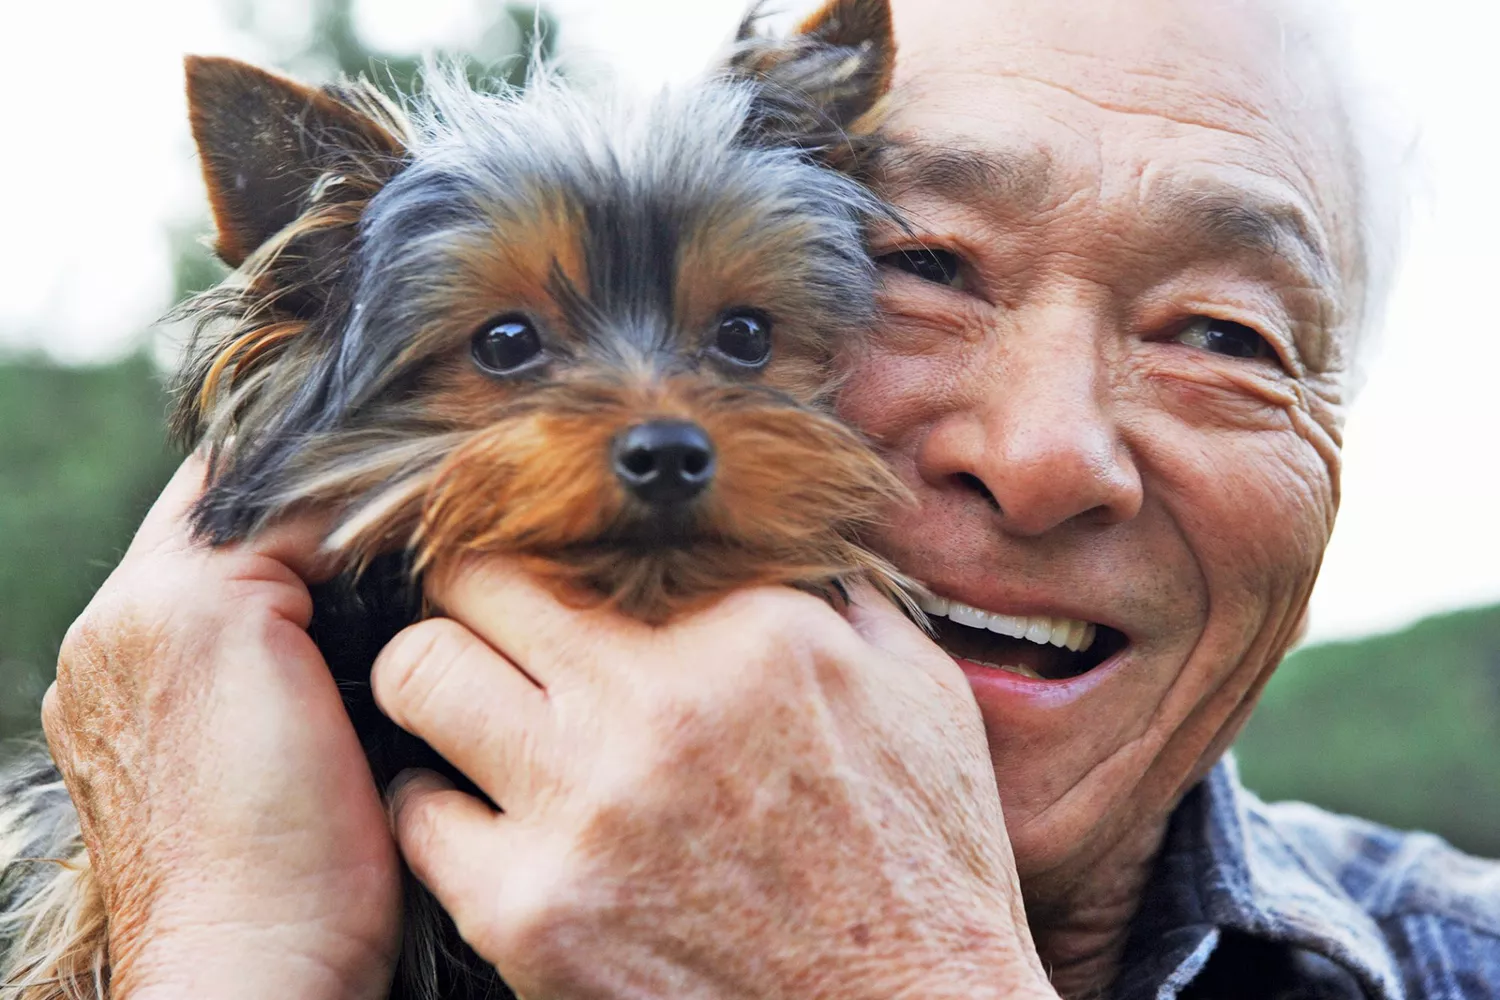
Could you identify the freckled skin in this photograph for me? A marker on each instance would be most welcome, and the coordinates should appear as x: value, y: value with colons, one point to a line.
x: 1182, y: 496
x: 825, y: 776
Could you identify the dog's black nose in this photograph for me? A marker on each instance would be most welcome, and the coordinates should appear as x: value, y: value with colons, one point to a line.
x: 665, y: 461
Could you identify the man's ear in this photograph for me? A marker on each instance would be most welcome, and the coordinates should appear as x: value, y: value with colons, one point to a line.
x: 823, y: 87
x: 271, y: 146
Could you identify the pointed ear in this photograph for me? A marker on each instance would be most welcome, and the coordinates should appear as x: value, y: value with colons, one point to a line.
x: 823, y: 86
x: 268, y: 143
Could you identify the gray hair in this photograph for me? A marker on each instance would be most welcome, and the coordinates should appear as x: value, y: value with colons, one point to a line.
x: 1381, y: 147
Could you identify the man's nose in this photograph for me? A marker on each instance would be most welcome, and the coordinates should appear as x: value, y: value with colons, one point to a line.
x: 1036, y: 435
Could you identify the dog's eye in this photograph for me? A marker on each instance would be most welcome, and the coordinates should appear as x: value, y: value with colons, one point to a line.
x: 744, y: 338
x: 1223, y: 337
x: 506, y: 345
x: 941, y: 267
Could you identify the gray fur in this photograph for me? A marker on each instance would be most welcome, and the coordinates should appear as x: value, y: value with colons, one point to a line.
x: 38, y: 827
x: 642, y: 178
x: 337, y: 415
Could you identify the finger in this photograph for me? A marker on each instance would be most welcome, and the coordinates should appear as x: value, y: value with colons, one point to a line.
x: 297, y: 543
x: 886, y: 627
x: 439, y: 681
x: 167, y: 524
x: 448, y: 840
x: 515, y: 613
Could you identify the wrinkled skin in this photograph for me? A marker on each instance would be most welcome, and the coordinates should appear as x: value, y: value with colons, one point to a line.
x: 225, y: 801
x: 1140, y: 479
x: 1182, y: 496
x: 599, y: 735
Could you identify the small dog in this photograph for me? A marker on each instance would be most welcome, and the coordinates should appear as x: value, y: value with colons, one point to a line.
x: 603, y: 341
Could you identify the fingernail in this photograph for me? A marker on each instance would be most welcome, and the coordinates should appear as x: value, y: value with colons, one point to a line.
x: 410, y: 780
x: 402, y: 782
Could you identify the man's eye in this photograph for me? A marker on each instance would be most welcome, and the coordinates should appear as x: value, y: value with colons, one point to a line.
x: 941, y: 267
x: 1222, y: 337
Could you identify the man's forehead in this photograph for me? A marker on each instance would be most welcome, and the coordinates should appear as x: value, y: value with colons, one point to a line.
x: 1225, y: 66
x: 1111, y: 53
x: 1201, y: 110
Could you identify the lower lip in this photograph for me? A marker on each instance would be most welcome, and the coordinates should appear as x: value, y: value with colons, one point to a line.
x: 991, y: 684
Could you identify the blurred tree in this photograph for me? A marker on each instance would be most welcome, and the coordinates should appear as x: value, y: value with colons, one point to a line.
x: 500, y: 53
x: 80, y: 460
x: 1403, y: 729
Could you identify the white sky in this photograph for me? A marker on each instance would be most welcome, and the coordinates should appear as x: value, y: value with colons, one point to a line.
x: 100, y: 159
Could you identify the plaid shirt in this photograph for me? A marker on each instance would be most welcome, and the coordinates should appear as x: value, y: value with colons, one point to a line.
x: 1287, y: 902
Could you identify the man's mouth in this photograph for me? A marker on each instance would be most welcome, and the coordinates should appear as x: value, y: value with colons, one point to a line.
x: 1037, y: 646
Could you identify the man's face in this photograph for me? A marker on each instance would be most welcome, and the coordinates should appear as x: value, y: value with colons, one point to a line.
x: 1111, y: 376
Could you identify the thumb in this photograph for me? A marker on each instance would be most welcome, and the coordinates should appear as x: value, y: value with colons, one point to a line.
x: 884, y: 625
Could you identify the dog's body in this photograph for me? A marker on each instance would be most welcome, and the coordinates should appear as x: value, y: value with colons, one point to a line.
x: 602, y: 341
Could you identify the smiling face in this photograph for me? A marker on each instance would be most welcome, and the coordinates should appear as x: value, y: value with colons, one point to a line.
x: 1111, y: 373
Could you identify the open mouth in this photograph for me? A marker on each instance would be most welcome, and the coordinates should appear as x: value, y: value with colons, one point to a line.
x: 1035, y: 646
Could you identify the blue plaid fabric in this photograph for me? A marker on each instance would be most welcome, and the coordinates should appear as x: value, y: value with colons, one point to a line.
x: 1322, y: 906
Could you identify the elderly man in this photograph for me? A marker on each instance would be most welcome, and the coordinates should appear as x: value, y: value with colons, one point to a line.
x: 1114, y: 375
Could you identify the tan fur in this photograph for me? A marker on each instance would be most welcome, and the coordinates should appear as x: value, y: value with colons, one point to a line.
x: 537, y: 484
x: 460, y: 463
x: 62, y: 952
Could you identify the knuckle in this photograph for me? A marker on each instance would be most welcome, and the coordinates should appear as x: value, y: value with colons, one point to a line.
x: 54, y: 724
x: 81, y: 641
x: 785, y: 633
x: 105, y: 638
x: 782, y: 618
x: 533, y: 920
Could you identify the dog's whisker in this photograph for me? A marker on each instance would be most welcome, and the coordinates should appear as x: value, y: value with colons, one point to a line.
x: 601, y: 338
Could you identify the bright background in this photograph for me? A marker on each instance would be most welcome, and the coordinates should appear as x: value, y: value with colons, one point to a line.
x: 99, y: 160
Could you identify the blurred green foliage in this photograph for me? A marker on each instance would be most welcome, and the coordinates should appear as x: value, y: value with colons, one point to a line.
x: 82, y: 456
x: 500, y: 50
x: 1403, y: 729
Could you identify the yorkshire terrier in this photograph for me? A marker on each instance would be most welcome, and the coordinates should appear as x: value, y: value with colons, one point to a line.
x: 601, y: 340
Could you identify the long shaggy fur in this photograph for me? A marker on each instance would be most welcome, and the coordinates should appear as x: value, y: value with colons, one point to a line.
x: 52, y: 922
x: 361, y: 406
x: 334, y: 370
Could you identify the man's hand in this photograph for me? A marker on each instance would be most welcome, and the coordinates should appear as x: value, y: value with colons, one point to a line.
x: 228, y: 810
x: 763, y: 800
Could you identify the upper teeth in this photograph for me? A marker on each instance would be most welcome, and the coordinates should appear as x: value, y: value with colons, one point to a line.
x: 1068, y: 633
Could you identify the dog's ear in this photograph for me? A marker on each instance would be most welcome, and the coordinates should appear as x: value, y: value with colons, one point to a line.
x: 269, y: 146
x: 823, y: 87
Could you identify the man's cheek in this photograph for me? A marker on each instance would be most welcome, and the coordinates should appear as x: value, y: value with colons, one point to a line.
x: 906, y: 380
x: 1210, y: 392
x: 1255, y: 506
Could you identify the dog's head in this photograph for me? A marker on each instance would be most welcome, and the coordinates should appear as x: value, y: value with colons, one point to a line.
x: 602, y: 339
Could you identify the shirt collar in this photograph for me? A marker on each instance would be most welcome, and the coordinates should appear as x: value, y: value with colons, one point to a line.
x: 1226, y: 866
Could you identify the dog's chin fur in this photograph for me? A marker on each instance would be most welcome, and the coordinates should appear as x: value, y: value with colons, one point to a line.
x: 333, y: 371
